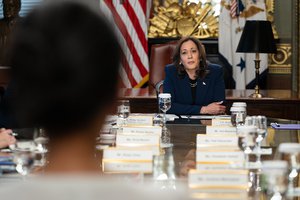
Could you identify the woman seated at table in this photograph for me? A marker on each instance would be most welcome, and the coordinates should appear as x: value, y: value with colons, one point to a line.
x: 196, y: 86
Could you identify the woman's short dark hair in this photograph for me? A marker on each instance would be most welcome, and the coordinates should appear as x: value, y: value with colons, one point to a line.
x: 65, y: 60
x: 203, y: 70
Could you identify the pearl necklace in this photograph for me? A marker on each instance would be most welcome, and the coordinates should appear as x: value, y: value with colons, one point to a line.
x: 193, y: 84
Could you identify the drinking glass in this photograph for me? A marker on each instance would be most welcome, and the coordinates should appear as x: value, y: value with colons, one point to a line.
x: 246, y: 140
x: 260, y: 122
x: 290, y: 152
x: 274, y: 178
x: 164, y: 174
x: 24, y: 156
x: 166, y: 138
x: 123, y: 111
x: 41, y: 140
x: 164, y: 100
x: 238, y: 115
x: 157, y: 120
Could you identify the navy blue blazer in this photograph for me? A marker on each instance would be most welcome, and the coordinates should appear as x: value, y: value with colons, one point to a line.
x: 209, y: 89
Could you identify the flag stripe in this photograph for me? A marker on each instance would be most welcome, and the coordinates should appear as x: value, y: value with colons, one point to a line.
x: 128, y: 71
x: 233, y: 8
x: 131, y: 28
x: 143, y: 4
x: 134, y: 19
x: 126, y: 52
x: 130, y: 32
x: 132, y: 66
x: 142, y: 17
x: 130, y: 44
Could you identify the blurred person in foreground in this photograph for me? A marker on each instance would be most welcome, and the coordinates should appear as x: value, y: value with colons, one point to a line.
x: 65, y: 61
x: 196, y: 86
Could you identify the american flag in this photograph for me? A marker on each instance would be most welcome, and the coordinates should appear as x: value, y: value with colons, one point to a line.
x: 236, y: 7
x: 233, y: 8
x: 130, y: 19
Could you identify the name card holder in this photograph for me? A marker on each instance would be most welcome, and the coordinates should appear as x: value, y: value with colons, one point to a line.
x: 140, y: 130
x: 220, y: 130
x: 213, y: 195
x: 221, y: 122
x: 127, y: 160
x: 140, y: 120
x: 136, y: 140
x: 218, y: 166
x: 127, y: 167
x: 219, y: 156
x: 220, y: 140
x: 218, y: 179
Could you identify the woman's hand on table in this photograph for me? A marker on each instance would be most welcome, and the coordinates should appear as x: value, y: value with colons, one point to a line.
x: 215, y: 108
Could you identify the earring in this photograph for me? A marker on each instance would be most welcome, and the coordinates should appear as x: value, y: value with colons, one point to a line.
x: 180, y: 63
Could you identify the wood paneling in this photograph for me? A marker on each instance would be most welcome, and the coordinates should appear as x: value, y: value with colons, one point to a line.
x: 4, y: 76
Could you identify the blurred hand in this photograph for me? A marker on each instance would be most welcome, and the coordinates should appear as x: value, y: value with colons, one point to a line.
x: 6, y: 138
x: 214, y: 108
x: 186, y: 166
x: 188, y: 163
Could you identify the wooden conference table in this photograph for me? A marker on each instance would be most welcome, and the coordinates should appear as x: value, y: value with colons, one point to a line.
x: 183, y: 134
x: 181, y: 157
x: 283, y: 104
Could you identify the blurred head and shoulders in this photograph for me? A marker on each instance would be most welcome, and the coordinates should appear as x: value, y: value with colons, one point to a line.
x: 65, y: 61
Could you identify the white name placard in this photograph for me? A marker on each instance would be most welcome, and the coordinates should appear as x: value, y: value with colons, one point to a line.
x: 221, y: 122
x: 134, y: 140
x: 215, y: 179
x: 220, y: 130
x: 221, y: 156
x: 213, y: 195
x: 126, y: 167
x: 139, y: 120
x: 215, y: 166
x: 127, y: 154
x: 263, y: 151
x: 227, y: 140
x: 140, y: 130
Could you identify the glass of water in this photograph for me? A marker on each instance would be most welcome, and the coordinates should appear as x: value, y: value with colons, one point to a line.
x: 290, y: 152
x: 24, y: 156
x: 123, y: 111
x: 274, y: 178
x: 246, y: 140
x: 41, y: 140
x: 164, y: 100
x: 260, y: 122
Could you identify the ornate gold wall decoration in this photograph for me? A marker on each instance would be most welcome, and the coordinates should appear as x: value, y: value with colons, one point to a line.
x: 173, y: 19
x: 270, y: 5
x: 280, y: 63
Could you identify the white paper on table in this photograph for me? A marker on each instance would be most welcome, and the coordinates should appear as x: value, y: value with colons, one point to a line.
x: 204, y: 116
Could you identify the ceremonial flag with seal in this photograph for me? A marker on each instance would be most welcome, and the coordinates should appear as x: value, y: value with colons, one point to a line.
x: 233, y: 16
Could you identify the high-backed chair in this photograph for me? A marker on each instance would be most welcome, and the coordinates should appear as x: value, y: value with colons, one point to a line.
x: 161, y: 55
